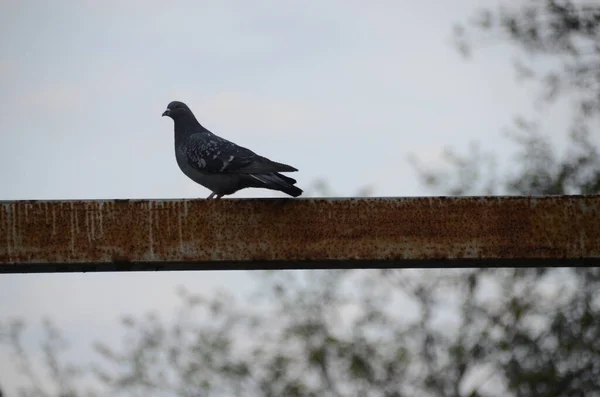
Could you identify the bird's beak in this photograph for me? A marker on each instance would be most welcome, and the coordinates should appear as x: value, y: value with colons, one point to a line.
x: 166, y: 113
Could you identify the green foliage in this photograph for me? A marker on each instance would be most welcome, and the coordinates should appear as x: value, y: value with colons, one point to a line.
x: 558, y: 40
x: 374, y: 333
x: 539, y: 170
x: 560, y: 52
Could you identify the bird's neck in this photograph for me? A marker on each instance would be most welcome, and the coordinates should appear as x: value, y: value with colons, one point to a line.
x: 186, y: 127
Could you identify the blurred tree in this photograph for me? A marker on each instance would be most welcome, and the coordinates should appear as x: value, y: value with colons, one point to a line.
x: 550, y: 346
x: 559, y: 43
x: 58, y: 378
x: 559, y: 51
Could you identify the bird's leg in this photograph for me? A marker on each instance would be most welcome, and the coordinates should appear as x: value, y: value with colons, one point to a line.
x: 219, y: 196
x: 211, y: 195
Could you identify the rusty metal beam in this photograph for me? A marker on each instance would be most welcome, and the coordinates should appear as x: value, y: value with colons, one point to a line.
x: 123, y: 235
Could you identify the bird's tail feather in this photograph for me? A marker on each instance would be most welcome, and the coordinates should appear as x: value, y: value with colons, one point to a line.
x: 289, y: 180
x: 276, y: 181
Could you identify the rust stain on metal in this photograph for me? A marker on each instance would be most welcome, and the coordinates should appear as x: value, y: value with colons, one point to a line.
x: 151, y: 234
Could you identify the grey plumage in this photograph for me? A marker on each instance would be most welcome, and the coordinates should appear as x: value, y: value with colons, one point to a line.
x: 221, y: 165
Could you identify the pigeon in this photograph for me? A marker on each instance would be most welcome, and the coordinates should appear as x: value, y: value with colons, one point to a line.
x: 220, y: 165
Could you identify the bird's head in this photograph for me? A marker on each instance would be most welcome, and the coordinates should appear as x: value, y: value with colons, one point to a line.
x: 177, y: 110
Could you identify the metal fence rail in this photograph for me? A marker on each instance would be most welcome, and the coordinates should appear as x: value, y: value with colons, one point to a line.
x: 125, y: 235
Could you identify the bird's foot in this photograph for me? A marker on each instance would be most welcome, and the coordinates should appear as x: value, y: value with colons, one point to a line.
x: 211, y: 195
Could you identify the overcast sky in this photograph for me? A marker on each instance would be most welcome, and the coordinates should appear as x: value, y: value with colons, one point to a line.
x: 343, y: 90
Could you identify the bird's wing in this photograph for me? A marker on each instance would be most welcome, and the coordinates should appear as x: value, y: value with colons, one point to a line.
x: 210, y: 153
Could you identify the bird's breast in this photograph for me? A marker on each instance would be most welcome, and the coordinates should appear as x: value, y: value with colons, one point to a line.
x: 220, y: 183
